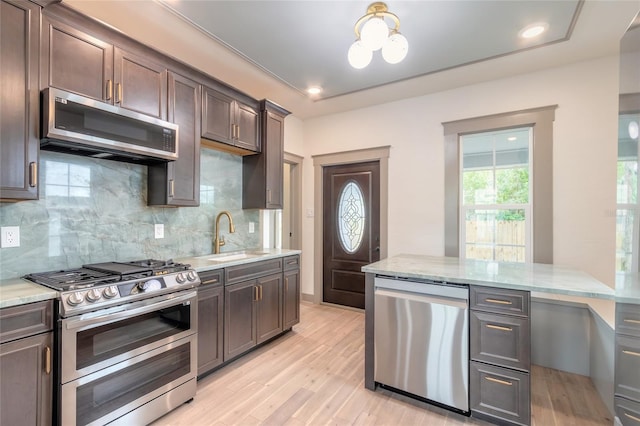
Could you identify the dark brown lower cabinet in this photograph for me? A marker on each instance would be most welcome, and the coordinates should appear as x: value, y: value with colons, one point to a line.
x: 499, y: 393
x: 239, y: 318
x: 210, y: 326
x: 291, y: 299
x: 269, y: 307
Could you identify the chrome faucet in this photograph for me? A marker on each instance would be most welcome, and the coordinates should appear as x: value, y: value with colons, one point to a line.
x: 219, y: 241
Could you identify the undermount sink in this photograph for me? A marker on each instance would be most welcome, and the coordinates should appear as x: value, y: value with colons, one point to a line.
x: 231, y: 256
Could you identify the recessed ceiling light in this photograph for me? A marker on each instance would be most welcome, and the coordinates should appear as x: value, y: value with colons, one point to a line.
x: 533, y: 30
x: 314, y: 90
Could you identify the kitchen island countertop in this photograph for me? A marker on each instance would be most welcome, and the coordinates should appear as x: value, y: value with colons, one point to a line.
x: 16, y: 291
x: 536, y: 277
x: 628, y: 288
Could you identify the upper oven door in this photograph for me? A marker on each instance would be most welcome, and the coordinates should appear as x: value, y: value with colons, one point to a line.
x: 96, y: 340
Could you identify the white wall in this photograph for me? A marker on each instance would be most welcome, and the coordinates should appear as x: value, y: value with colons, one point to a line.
x: 585, y: 135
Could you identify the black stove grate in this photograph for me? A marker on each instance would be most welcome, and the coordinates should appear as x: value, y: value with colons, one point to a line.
x: 70, y: 279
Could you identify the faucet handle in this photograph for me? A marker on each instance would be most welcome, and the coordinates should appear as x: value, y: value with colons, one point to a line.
x: 221, y: 241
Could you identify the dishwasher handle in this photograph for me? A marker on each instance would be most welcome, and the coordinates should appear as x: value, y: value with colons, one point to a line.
x: 422, y: 298
x: 448, y: 291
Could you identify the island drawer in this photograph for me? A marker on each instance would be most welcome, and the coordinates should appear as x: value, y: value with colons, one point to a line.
x: 627, y: 411
x: 627, y: 367
x: 628, y: 319
x: 499, y: 393
x: 25, y: 320
x: 208, y: 278
x: 497, y: 300
x: 239, y: 273
x: 291, y: 262
x: 501, y: 340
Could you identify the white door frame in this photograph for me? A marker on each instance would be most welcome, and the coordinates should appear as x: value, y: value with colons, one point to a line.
x: 380, y: 154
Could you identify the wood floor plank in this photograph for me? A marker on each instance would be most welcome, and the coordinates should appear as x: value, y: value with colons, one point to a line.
x: 314, y: 375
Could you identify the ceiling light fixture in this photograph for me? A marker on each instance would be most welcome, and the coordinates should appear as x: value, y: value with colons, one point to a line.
x: 372, y: 33
x: 314, y: 90
x: 533, y: 30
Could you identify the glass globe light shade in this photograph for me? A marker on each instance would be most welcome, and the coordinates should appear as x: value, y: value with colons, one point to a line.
x: 395, y: 48
x: 359, y: 56
x: 374, y: 33
x: 634, y: 130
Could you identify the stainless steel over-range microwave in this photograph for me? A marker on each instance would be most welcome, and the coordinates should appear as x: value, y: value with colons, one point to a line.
x: 83, y: 126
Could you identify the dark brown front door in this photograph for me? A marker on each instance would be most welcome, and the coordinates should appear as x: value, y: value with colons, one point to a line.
x: 351, y: 223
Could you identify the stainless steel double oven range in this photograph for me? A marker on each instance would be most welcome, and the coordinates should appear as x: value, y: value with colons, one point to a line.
x: 126, y: 340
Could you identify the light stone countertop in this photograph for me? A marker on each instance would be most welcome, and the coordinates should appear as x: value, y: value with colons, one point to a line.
x: 518, y: 276
x: 628, y: 288
x: 16, y: 291
x: 201, y: 264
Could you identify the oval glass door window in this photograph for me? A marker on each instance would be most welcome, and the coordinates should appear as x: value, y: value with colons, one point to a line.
x: 351, y: 217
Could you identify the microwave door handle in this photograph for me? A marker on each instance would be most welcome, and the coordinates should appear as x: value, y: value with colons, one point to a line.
x: 85, y: 322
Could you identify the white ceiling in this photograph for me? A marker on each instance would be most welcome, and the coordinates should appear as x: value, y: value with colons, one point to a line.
x: 276, y: 49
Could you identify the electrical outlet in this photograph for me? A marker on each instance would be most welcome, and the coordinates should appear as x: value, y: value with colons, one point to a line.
x: 159, y: 230
x: 252, y: 227
x: 10, y: 236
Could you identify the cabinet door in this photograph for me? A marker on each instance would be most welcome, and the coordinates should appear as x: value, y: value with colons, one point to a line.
x: 19, y: 100
x: 177, y: 183
x: 291, y: 297
x: 26, y: 388
x: 627, y: 376
x: 269, y: 307
x: 274, y: 141
x: 210, y: 327
x: 140, y: 84
x: 247, y: 133
x: 217, y: 116
x: 239, y: 318
x: 76, y: 62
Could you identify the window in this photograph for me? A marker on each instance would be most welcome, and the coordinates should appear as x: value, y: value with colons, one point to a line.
x: 628, y: 206
x: 351, y: 216
x: 496, y: 195
x: 493, y: 199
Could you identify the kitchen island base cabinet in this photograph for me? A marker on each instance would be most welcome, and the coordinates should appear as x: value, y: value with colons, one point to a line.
x: 627, y: 360
x: 628, y: 412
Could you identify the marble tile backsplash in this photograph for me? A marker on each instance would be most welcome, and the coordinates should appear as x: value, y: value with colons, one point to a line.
x: 93, y: 210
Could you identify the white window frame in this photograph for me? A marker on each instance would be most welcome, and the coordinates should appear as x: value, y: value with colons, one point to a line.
x: 526, y: 207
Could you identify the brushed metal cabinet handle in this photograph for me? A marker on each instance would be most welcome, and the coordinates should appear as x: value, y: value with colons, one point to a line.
x: 255, y: 293
x: 637, y: 419
x: 499, y: 301
x: 286, y: 284
x: 118, y: 93
x: 109, y: 90
x: 171, y: 188
x: 33, y: 174
x: 498, y: 327
x: 47, y: 360
x: 501, y: 382
x: 212, y: 281
x: 632, y: 321
x: 261, y: 292
x: 631, y: 353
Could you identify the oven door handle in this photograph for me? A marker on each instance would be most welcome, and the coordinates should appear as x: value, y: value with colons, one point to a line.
x: 87, y: 320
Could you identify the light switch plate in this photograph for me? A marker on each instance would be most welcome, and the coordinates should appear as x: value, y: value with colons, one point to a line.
x: 10, y: 236
x: 159, y: 230
x: 309, y: 212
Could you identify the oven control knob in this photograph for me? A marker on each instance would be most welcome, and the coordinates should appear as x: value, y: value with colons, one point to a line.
x: 192, y: 276
x: 180, y: 278
x: 75, y: 299
x: 110, y: 292
x: 93, y: 295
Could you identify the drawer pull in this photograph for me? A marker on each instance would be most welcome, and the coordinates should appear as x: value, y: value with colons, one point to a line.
x: 501, y: 382
x: 632, y: 321
x: 498, y: 327
x: 212, y: 281
x: 637, y: 419
x: 47, y: 360
x: 292, y: 262
x: 498, y: 301
x: 631, y: 353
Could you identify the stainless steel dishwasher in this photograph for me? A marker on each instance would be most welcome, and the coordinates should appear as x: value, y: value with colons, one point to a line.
x: 422, y: 339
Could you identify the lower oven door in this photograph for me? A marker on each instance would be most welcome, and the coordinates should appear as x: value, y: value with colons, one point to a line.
x: 94, y: 341
x: 166, y: 374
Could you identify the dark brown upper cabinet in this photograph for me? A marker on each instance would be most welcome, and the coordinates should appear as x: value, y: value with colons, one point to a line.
x: 227, y: 120
x: 19, y: 100
x: 177, y: 183
x: 262, y: 174
x: 78, y: 62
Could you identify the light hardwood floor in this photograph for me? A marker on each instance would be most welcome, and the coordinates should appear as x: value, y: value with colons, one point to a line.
x: 314, y: 375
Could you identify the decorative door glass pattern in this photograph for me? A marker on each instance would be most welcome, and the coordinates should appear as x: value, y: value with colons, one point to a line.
x: 351, y: 217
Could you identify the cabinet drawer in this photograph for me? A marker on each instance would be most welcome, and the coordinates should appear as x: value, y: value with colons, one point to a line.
x: 291, y: 262
x: 25, y: 320
x: 499, y: 393
x: 628, y: 319
x: 627, y: 411
x: 235, y: 274
x: 500, y: 339
x: 513, y: 302
x: 210, y: 278
x: 627, y: 381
